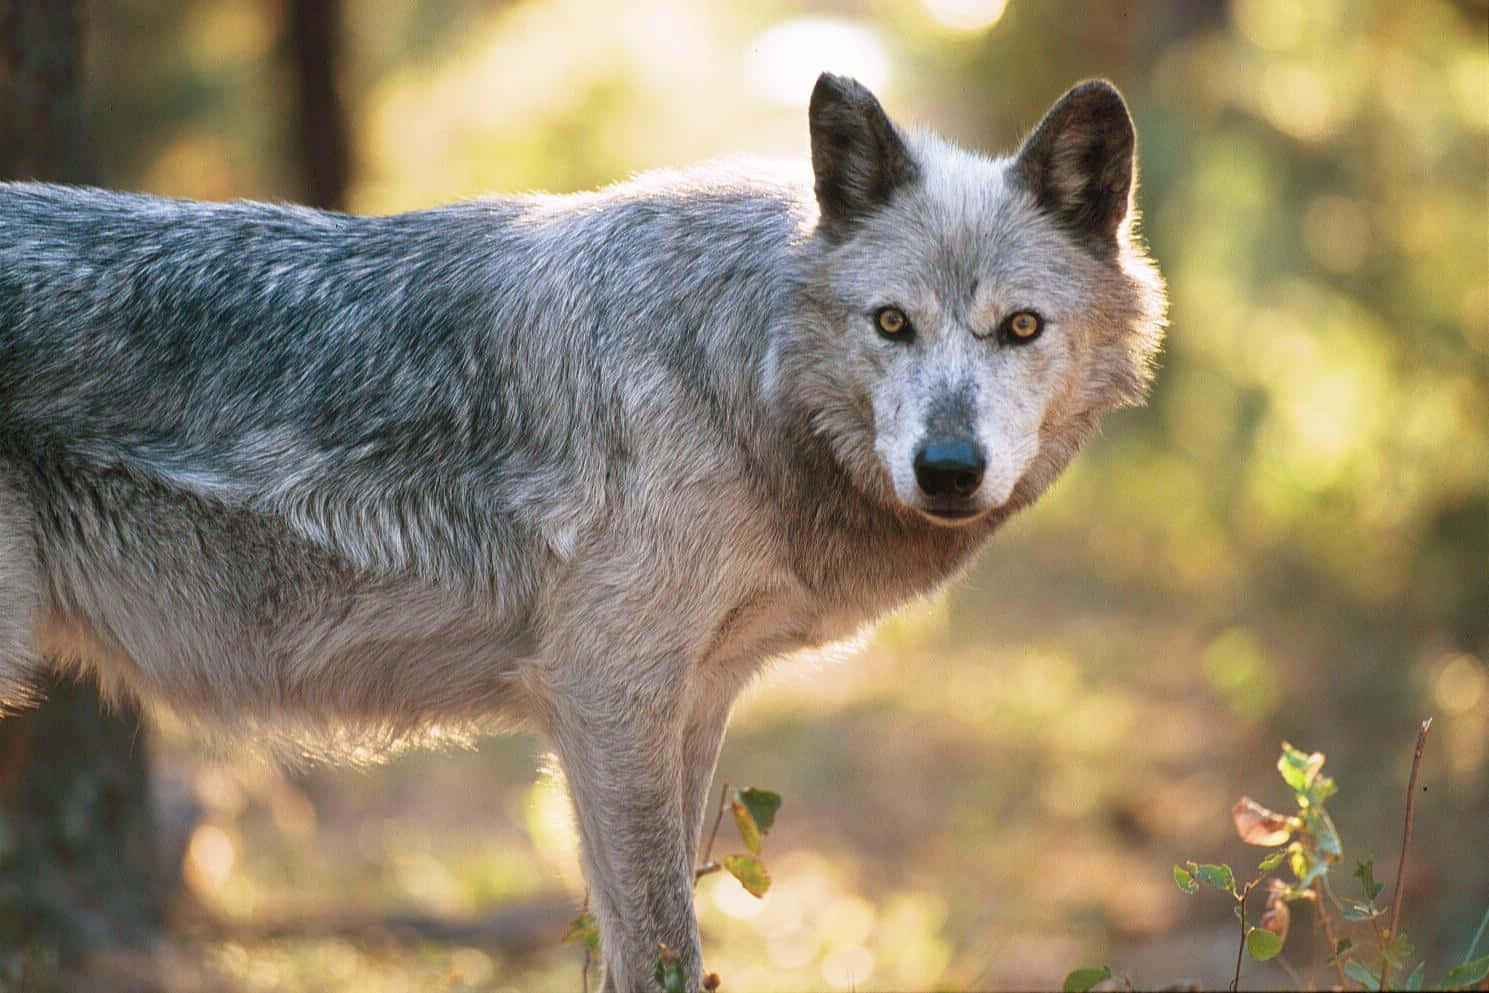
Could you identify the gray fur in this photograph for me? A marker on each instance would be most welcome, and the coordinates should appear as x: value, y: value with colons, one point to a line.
x: 578, y: 463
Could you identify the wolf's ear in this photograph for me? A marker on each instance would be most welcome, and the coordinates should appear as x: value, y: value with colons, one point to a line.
x: 858, y: 155
x: 1078, y: 163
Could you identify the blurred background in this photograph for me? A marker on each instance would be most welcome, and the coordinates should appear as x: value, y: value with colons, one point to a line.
x: 1290, y: 542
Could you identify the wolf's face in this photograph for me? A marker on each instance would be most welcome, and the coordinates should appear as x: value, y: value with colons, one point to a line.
x: 971, y: 318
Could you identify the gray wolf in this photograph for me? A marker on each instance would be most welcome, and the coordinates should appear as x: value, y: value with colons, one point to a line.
x: 578, y: 463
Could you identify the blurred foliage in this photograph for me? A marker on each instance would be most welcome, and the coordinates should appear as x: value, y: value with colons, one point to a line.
x: 1295, y: 532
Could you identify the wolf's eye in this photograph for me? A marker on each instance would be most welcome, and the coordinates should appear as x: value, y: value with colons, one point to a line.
x: 1022, y: 327
x: 892, y: 322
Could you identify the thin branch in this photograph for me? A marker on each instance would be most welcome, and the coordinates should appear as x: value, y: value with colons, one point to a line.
x: 1241, y: 905
x: 709, y: 865
x: 1411, y: 804
x: 1323, y: 920
x: 1382, y: 941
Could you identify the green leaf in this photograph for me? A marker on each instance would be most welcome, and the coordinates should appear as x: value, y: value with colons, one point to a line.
x: 762, y: 805
x: 749, y: 831
x: 584, y: 929
x: 1218, y: 876
x: 754, y: 812
x: 1398, y: 950
x: 1272, y: 861
x: 1357, y: 911
x: 1301, y: 771
x: 1365, y: 873
x: 1466, y: 975
x: 1081, y: 980
x: 1473, y: 946
x: 1362, y: 975
x: 1185, y: 879
x: 750, y: 872
x: 1300, y: 863
x: 1323, y: 788
x: 669, y: 972
x: 1341, y: 950
x: 1299, y: 768
x: 1325, y: 836
x: 1414, y: 981
x: 1320, y: 847
x: 1262, y: 945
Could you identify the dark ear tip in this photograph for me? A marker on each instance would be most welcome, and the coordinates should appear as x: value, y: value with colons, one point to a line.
x: 832, y: 88
x: 1105, y: 87
x: 1096, y: 98
x: 831, y: 82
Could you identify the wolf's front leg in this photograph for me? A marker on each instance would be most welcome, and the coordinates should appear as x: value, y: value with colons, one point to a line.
x: 620, y: 744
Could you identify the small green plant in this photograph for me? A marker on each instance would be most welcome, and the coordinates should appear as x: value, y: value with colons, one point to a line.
x: 1309, y: 846
x: 1307, y: 842
x: 754, y: 812
x: 1081, y: 980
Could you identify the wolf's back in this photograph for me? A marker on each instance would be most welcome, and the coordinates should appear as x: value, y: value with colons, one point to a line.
x: 369, y: 375
x: 141, y: 320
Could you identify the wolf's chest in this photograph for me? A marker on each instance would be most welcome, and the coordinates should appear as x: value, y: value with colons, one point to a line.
x: 776, y: 622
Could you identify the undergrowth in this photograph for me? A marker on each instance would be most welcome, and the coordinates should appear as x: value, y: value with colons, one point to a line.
x: 1367, y: 947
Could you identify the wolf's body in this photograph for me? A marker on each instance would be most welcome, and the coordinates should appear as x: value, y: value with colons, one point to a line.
x: 581, y: 463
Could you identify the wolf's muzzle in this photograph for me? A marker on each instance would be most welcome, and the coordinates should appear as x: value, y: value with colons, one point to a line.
x: 949, y: 471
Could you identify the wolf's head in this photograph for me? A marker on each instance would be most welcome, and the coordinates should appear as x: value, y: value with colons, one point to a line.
x: 968, y: 319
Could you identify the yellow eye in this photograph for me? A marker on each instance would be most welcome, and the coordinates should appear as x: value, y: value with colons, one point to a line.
x: 892, y: 321
x: 1024, y: 326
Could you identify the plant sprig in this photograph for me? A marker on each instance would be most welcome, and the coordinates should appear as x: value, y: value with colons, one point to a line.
x: 1308, y: 844
x: 754, y: 813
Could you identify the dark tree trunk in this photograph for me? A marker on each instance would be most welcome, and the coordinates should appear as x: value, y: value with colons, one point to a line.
x: 77, y: 873
x: 41, y: 90
x: 77, y: 870
x: 313, y: 43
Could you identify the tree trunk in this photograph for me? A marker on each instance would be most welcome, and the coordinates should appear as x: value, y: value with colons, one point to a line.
x: 77, y: 872
x: 313, y: 36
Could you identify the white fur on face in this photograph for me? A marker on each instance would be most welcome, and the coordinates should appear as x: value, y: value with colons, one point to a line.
x: 899, y: 417
x: 1008, y: 389
x: 1010, y: 408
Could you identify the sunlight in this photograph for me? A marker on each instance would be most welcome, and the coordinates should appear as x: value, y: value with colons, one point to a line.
x: 209, y: 859
x: 966, y: 15
x: 785, y: 60
x: 551, y: 827
x: 733, y: 899
x: 1460, y: 683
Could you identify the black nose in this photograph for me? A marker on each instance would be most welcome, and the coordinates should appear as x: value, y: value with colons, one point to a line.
x: 949, y: 469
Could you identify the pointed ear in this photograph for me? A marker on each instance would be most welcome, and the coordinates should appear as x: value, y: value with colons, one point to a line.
x: 1079, y: 162
x: 858, y: 155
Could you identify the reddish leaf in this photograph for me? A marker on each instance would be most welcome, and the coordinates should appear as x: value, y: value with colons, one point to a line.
x: 1259, y: 826
x: 1277, y: 915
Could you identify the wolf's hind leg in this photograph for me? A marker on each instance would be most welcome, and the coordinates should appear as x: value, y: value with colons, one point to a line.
x: 20, y: 600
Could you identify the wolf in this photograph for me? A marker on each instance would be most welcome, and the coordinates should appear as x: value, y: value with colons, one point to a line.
x: 581, y: 464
